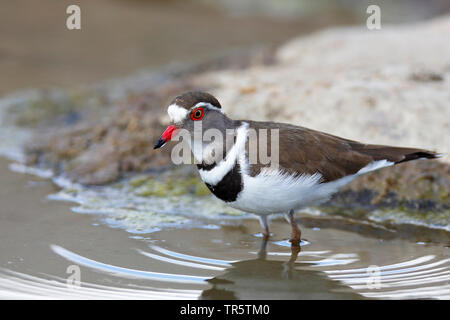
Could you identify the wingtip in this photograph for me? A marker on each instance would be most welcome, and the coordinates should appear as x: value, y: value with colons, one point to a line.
x: 421, y: 154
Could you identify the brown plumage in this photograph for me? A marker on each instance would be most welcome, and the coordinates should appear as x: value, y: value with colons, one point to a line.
x: 189, y: 99
x: 303, y: 150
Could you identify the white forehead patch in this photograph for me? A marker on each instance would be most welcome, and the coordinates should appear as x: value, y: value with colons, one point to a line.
x: 176, y: 113
x: 208, y: 105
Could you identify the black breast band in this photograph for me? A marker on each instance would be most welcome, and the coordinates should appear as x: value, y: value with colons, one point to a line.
x: 229, y: 187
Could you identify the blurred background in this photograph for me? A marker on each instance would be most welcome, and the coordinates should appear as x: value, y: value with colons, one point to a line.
x: 121, y: 36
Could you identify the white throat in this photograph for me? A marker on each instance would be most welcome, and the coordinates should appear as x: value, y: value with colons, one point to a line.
x: 216, y: 174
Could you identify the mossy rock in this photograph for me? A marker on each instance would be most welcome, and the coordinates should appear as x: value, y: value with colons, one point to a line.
x: 168, y: 185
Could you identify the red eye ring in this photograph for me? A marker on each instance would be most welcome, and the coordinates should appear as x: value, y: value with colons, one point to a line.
x: 197, y: 113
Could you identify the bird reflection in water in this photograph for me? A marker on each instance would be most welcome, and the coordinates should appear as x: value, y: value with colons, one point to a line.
x: 261, y: 278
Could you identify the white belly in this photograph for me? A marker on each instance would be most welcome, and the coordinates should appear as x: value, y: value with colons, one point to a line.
x: 275, y: 192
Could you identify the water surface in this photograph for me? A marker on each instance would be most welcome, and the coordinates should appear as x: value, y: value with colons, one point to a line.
x: 207, y: 258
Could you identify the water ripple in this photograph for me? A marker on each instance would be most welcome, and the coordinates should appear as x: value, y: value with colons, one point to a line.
x: 423, y: 277
x: 179, y: 262
x: 225, y: 263
x: 427, y: 276
x: 15, y: 285
x: 127, y: 272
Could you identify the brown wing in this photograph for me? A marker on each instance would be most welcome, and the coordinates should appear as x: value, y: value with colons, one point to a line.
x: 303, y: 150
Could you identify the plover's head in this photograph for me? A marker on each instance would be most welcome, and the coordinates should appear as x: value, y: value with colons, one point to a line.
x: 195, y: 112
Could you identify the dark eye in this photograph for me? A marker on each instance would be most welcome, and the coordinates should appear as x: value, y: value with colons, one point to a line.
x: 197, y: 114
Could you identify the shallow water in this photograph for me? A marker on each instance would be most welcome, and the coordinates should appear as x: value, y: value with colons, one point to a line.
x: 209, y: 257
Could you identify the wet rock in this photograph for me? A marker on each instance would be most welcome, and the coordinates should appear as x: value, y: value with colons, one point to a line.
x: 421, y: 180
x: 414, y: 193
x: 170, y: 183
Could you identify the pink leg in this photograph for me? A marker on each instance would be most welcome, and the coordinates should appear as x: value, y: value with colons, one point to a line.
x: 296, y: 234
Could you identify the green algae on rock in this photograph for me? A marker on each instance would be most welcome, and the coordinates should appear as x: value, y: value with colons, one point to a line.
x: 144, y: 202
x: 180, y: 181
